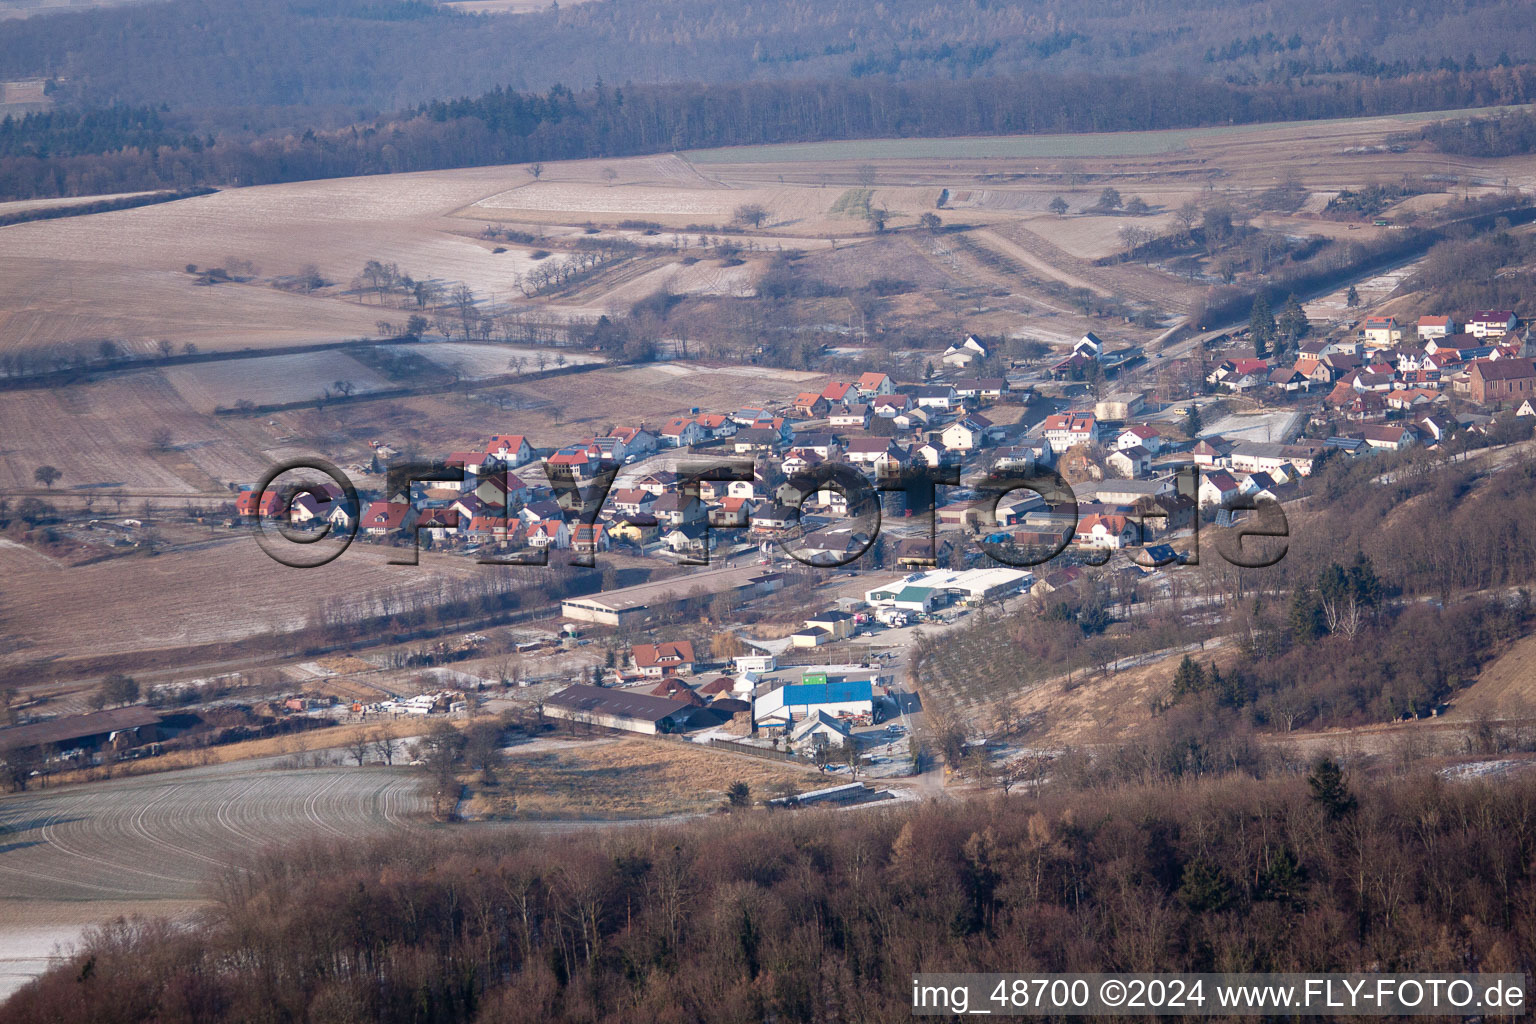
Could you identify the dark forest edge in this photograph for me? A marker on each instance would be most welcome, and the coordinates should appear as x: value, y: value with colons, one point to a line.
x: 126, y: 150
x: 826, y: 915
x: 102, y: 205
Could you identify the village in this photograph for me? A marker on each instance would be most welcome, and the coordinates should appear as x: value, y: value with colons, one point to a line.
x: 1376, y: 385
x: 1145, y: 467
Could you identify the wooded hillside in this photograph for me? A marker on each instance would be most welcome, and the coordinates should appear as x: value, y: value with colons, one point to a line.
x: 823, y: 916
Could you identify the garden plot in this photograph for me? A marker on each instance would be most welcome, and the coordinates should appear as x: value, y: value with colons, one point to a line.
x: 269, y: 380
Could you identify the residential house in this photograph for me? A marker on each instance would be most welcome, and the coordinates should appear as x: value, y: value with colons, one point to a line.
x: 875, y: 453
x: 1111, y: 532
x: 668, y: 658
x: 798, y: 461
x: 676, y: 509
x: 810, y: 405
x: 934, y: 396
x: 1211, y: 452
x: 1491, y: 323
x: 889, y: 406
x: 1405, y: 399
x: 874, y: 383
x: 713, y: 490
x: 270, y: 504
x: 693, y: 540
x: 731, y: 512
x: 437, y: 523
x: 630, y: 500
x: 489, y: 530
x: 1090, y: 345
x: 839, y: 391
x: 682, y: 432
x: 1379, y: 382
x: 980, y: 388
x: 632, y: 441
x: 634, y: 528
x: 1218, y: 488
x: 771, y: 518
x: 1130, y: 462
x: 1068, y: 429
x: 1289, y: 379
x: 928, y: 454
x: 820, y: 731
x: 589, y: 539
x: 385, y: 517
x: 1389, y: 436
x: 717, y: 426
x: 1141, y: 436
x: 342, y: 516
x: 855, y: 415
x: 821, y: 443
x: 511, y: 450
x: 549, y: 533
x: 659, y: 482
x: 1380, y: 332
x: 1436, y: 427
x: 1435, y: 327
x: 832, y: 545
x: 757, y: 441
x: 573, y: 464
x: 1229, y: 371
x: 965, y: 434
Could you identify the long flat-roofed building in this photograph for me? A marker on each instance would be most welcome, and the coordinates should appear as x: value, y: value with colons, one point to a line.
x: 631, y: 606
x: 618, y: 709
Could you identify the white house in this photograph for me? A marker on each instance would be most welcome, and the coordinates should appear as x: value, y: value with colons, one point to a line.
x: 1491, y: 323
x: 1435, y: 327
x: 1218, y: 488
x: 1147, y: 437
x: 963, y: 435
x: 964, y: 353
x: 1066, y: 429
x: 1130, y: 462
x: 1109, y: 532
x: 511, y: 450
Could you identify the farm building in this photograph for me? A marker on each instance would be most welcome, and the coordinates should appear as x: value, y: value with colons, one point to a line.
x: 788, y: 704
x: 630, y: 606
x: 820, y: 730
x: 119, y: 729
x: 617, y: 709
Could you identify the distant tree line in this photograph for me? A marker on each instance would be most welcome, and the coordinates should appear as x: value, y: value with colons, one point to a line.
x: 506, y: 126
x: 1508, y: 134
